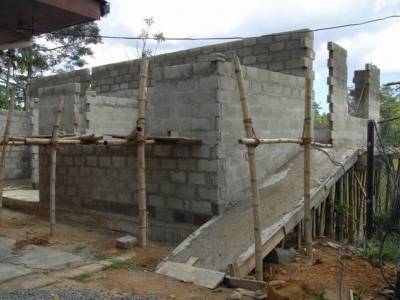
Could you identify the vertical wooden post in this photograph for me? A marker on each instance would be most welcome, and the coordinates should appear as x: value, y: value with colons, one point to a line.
x: 351, y: 206
x: 370, y: 180
x: 329, y: 223
x: 307, y: 138
x: 4, y: 148
x: 299, y: 235
x: 53, y: 165
x: 346, y: 205
x: 141, y: 158
x: 322, y: 218
x: 248, y: 126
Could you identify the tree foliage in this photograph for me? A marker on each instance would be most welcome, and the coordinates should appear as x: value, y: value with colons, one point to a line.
x: 319, y: 118
x: 146, y: 35
x: 62, y: 50
x: 390, y: 109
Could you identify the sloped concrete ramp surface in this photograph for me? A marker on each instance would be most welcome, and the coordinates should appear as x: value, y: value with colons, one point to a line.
x: 229, y: 240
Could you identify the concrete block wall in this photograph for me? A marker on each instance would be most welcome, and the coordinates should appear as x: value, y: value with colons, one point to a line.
x: 49, y: 100
x: 276, y: 103
x: 79, y: 76
x: 287, y: 52
x: 187, y: 183
x: 18, y: 162
x: 106, y: 115
x: 366, y: 93
x: 181, y: 180
x: 34, y: 109
x: 347, y: 129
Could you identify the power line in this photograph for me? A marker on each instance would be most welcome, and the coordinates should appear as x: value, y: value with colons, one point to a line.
x: 239, y: 37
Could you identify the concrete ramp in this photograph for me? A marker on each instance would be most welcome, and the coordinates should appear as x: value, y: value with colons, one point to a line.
x: 227, y: 240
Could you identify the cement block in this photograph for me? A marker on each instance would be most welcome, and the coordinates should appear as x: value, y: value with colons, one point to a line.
x: 126, y: 242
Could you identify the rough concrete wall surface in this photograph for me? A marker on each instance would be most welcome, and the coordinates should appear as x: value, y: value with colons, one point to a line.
x: 366, y: 94
x: 34, y: 109
x: 105, y: 115
x: 345, y: 129
x: 276, y: 103
x: 322, y: 133
x: 49, y: 99
x: 18, y: 162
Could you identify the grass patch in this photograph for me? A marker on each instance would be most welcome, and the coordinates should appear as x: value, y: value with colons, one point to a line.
x: 101, y: 255
x: 370, y: 253
x: 83, y: 278
x: 129, y: 264
x: 321, y: 295
x: 78, y: 249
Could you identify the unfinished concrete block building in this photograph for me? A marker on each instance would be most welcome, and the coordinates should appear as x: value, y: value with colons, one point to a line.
x: 192, y: 93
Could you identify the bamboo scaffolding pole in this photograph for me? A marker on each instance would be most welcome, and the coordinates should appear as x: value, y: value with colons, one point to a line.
x: 322, y: 218
x: 351, y: 207
x: 4, y: 148
x: 252, y: 141
x: 329, y: 222
x: 360, y: 185
x: 53, y: 165
x: 307, y: 139
x: 248, y: 127
x: 141, y: 166
x: 346, y: 205
x: 47, y: 141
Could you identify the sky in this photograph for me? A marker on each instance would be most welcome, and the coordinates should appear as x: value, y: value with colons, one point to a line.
x: 377, y: 43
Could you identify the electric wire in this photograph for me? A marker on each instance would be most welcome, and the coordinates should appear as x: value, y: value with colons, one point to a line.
x: 238, y: 37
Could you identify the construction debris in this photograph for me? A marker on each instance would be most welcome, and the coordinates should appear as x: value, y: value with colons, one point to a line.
x: 126, y: 242
x: 249, y: 284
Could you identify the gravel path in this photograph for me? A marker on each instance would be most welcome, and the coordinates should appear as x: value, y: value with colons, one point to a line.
x: 36, y: 294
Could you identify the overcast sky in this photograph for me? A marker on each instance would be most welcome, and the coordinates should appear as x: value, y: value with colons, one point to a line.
x: 377, y: 43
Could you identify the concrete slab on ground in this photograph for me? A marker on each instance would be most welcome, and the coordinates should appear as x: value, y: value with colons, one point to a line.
x: 15, y: 263
x: 229, y: 238
x: 27, y: 195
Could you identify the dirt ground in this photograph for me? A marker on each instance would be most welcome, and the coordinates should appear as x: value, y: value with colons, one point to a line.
x: 322, y: 278
x: 301, y: 280
x: 137, y: 277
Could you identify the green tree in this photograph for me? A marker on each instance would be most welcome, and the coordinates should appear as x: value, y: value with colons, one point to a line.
x: 63, y: 50
x: 319, y: 118
x: 390, y: 109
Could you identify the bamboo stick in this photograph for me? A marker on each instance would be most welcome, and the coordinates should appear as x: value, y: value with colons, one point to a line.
x: 360, y: 185
x: 252, y: 141
x: 307, y: 139
x: 329, y: 212
x: 53, y: 164
x: 351, y: 206
x: 141, y: 166
x: 322, y: 218
x: 5, y: 143
x: 248, y: 126
x: 46, y: 141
